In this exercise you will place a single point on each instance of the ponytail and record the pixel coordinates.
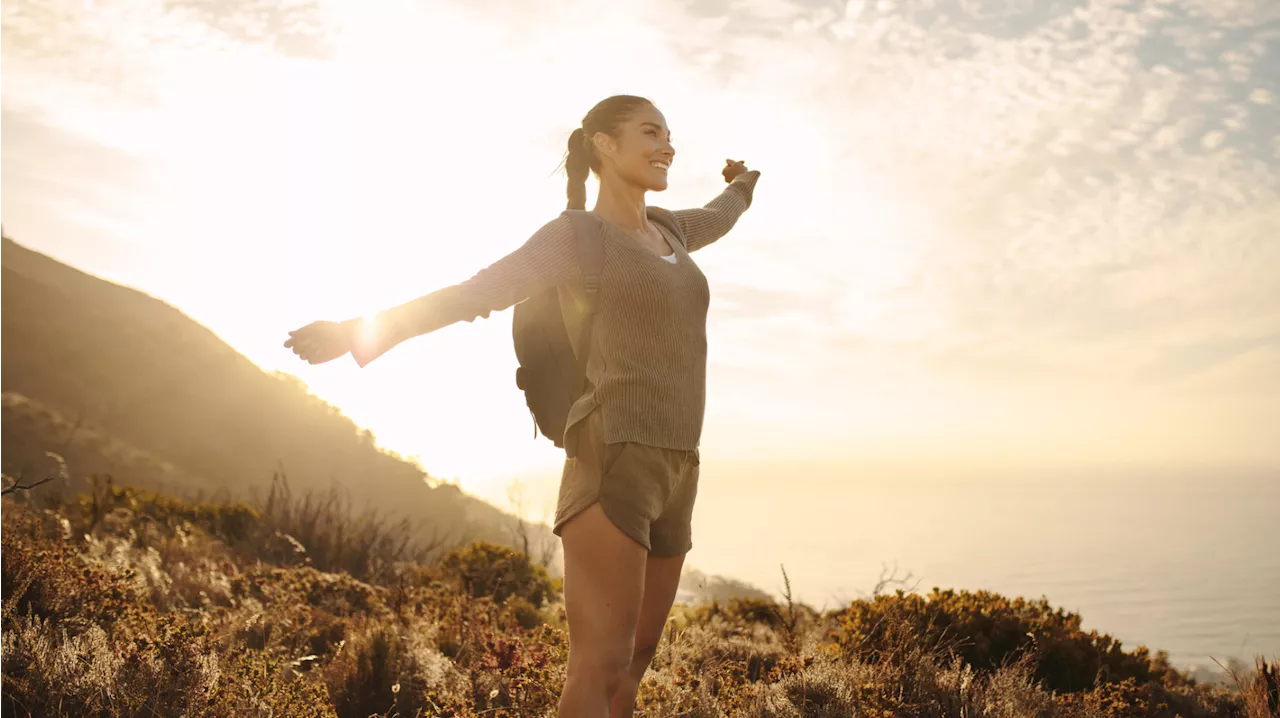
(578, 165)
(582, 159)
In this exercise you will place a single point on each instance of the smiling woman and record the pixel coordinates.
(1005, 233)
(631, 437)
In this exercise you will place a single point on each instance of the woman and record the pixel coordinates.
(631, 473)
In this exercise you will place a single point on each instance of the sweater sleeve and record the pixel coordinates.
(549, 258)
(706, 224)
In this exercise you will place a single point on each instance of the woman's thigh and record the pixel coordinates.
(604, 582)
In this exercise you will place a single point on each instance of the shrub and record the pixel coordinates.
(149, 614)
(988, 630)
(80, 640)
(232, 523)
(486, 569)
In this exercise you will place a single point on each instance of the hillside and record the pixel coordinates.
(31, 429)
(131, 603)
(121, 383)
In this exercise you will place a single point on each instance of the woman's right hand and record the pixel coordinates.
(733, 168)
(322, 341)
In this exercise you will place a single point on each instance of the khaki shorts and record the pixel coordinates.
(646, 491)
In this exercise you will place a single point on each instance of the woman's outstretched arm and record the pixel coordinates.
(706, 224)
(548, 259)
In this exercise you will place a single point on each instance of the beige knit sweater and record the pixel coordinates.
(648, 361)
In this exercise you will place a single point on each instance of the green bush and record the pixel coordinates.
(987, 630)
(79, 639)
(486, 569)
(232, 523)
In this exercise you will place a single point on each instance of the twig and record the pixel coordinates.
(16, 486)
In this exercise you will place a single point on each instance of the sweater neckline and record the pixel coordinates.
(665, 238)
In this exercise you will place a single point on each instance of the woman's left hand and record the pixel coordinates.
(321, 342)
(733, 168)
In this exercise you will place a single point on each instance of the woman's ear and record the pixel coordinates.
(604, 144)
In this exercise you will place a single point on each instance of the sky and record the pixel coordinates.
(989, 235)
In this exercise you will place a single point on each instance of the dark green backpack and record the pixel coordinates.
(551, 376)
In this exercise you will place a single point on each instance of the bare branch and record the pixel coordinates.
(19, 486)
(890, 578)
(515, 498)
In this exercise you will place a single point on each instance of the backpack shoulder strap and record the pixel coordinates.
(590, 233)
(667, 219)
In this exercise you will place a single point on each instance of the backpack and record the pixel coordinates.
(551, 376)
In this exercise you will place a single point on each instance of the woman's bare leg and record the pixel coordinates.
(661, 579)
(604, 580)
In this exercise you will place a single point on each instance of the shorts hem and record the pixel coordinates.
(630, 533)
(567, 514)
(558, 528)
(663, 554)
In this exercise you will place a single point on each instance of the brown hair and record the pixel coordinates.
(581, 158)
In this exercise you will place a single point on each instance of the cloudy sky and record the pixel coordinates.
(1001, 233)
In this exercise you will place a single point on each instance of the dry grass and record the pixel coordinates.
(125, 603)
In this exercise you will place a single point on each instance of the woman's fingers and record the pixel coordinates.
(318, 342)
(298, 342)
(302, 338)
(296, 338)
(732, 168)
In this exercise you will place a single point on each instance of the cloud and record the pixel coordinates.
(87, 199)
(1187, 360)
(297, 28)
(954, 190)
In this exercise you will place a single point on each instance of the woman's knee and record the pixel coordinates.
(606, 662)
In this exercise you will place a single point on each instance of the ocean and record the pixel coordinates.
(1189, 564)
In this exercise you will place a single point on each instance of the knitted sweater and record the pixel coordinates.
(647, 367)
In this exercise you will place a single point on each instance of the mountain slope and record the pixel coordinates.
(134, 371)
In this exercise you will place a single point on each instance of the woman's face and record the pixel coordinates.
(642, 151)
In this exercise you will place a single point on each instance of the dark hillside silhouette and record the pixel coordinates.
(121, 382)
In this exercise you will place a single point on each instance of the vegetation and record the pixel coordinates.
(124, 602)
(120, 383)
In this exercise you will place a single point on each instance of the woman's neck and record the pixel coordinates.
(622, 203)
